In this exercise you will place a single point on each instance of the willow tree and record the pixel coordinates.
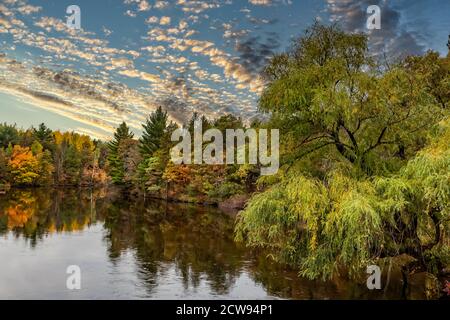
(328, 94)
(359, 180)
(322, 226)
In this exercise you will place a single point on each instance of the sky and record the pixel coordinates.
(131, 56)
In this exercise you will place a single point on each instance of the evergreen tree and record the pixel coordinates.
(4, 176)
(156, 130)
(72, 165)
(196, 118)
(8, 134)
(116, 162)
(44, 135)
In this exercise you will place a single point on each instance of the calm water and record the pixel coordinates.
(129, 250)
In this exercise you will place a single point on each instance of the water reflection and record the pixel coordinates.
(36, 213)
(136, 250)
(196, 240)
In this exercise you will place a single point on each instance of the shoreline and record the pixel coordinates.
(233, 204)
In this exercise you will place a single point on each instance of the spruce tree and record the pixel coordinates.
(155, 130)
(8, 134)
(115, 161)
(43, 134)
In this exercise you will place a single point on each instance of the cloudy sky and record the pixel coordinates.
(131, 56)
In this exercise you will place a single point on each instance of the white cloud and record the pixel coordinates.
(152, 20)
(161, 4)
(165, 20)
(144, 6)
(29, 9)
(130, 13)
(260, 2)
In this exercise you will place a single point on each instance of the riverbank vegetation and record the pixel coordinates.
(364, 154)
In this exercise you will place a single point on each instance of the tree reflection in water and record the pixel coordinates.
(194, 241)
(197, 240)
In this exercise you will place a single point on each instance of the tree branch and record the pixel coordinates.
(380, 137)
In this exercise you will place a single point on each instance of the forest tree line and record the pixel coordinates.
(142, 167)
(42, 157)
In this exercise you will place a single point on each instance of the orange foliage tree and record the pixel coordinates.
(24, 166)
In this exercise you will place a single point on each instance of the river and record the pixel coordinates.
(127, 249)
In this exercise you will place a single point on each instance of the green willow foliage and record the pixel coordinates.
(328, 94)
(320, 226)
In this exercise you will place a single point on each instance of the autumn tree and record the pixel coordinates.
(434, 73)
(75, 159)
(130, 156)
(65, 158)
(24, 166)
(45, 164)
(88, 158)
(150, 175)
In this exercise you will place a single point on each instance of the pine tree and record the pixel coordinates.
(4, 174)
(72, 165)
(122, 133)
(44, 135)
(8, 134)
(156, 130)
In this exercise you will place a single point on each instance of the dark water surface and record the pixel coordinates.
(131, 250)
